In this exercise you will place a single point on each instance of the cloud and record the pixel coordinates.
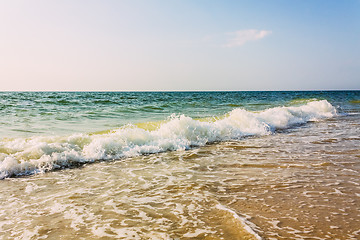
(240, 37)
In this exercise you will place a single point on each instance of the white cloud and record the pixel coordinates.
(239, 38)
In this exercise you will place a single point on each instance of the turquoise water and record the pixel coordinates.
(42, 131)
(60, 113)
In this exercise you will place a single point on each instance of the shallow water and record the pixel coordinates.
(297, 182)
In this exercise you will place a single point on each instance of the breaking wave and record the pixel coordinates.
(25, 156)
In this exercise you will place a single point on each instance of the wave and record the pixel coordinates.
(25, 156)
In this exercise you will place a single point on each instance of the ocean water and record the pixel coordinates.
(180, 165)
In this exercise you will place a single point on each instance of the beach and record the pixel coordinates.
(180, 165)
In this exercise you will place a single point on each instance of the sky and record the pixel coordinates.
(162, 45)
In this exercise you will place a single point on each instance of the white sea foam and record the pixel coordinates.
(23, 156)
(244, 223)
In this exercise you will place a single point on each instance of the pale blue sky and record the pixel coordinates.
(179, 45)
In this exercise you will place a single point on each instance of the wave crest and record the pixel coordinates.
(24, 156)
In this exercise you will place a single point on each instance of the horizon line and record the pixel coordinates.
(303, 90)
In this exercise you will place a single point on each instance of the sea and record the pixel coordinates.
(180, 165)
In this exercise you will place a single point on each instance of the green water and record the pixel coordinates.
(61, 113)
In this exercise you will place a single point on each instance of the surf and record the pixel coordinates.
(38, 154)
